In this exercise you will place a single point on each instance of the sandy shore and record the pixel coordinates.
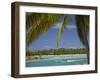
(38, 57)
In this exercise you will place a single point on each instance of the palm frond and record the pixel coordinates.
(38, 23)
(83, 28)
(64, 23)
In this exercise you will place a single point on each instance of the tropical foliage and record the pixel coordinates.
(60, 51)
(38, 23)
(83, 29)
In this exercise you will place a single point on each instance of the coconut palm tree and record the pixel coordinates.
(38, 23)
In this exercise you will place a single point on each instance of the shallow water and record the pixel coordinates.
(58, 60)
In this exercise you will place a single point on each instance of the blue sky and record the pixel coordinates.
(69, 37)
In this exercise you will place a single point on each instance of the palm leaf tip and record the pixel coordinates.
(58, 36)
(60, 29)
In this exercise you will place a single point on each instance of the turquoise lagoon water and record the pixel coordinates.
(58, 60)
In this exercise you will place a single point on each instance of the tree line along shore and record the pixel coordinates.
(60, 51)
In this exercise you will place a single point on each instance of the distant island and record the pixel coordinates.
(60, 51)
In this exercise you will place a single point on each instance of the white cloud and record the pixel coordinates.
(56, 26)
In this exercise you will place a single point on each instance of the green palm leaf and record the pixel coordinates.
(58, 36)
(83, 29)
(38, 23)
(64, 23)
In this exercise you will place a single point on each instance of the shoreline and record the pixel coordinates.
(43, 57)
